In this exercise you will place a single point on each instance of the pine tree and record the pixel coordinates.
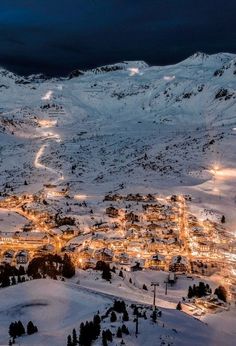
(113, 317)
(21, 270)
(104, 339)
(124, 329)
(82, 337)
(154, 316)
(31, 328)
(145, 287)
(121, 274)
(179, 306)
(69, 341)
(74, 337)
(190, 292)
(109, 335)
(125, 316)
(11, 330)
(13, 280)
(106, 273)
(130, 280)
(97, 326)
(119, 333)
(68, 268)
(223, 219)
(21, 328)
(5, 280)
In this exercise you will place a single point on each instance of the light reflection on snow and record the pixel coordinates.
(134, 71)
(169, 78)
(47, 96)
(47, 123)
(80, 197)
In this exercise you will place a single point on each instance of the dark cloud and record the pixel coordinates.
(57, 36)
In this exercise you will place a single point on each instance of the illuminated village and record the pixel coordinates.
(103, 188)
(134, 232)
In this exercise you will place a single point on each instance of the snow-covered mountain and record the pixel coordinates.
(127, 128)
(126, 124)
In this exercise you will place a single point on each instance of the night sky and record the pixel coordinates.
(57, 36)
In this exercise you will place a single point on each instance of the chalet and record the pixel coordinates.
(122, 258)
(100, 227)
(135, 246)
(118, 244)
(7, 237)
(87, 263)
(115, 197)
(131, 217)
(136, 267)
(97, 242)
(85, 253)
(8, 254)
(155, 245)
(157, 262)
(133, 233)
(69, 231)
(154, 227)
(105, 255)
(22, 257)
(112, 212)
(47, 248)
(32, 238)
(179, 264)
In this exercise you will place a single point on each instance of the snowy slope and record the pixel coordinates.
(125, 126)
(57, 307)
(129, 128)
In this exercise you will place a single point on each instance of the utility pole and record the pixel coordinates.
(136, 329)
(136, 320)
(154, 284)
(166, 282)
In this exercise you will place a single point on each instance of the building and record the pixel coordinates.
(105, 255)
(136, 267)
(7, 237)
(31, 238)
(22, 257)
(179, 264)
(157, 262)
(112, 212)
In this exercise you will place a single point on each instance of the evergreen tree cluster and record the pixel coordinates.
(10, 275)
(106, 273)
(105, 269)
(89, 331)
(17, 329)
(199, 291)
(106, 337)
(31, 328)
(52, 266)
(119, 306)
(221, 293)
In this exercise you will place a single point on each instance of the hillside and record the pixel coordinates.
(56, 308)
(126, 127)
(82, 161)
